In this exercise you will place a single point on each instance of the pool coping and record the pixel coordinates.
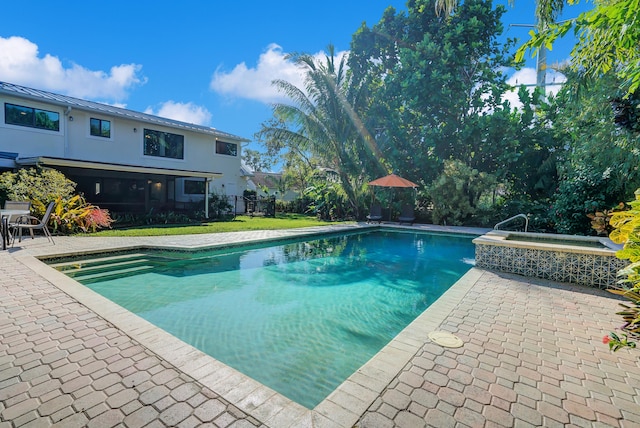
(342, 408)
(503, 238)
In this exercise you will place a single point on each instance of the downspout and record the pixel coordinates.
(66, 131)
(206, 197)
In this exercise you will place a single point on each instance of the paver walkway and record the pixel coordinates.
(532, 357)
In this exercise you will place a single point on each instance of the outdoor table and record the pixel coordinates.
(4, 223)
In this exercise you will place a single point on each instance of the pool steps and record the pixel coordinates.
(106, 268)
(63, 266)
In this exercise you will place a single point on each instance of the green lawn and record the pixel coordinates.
(240, 223)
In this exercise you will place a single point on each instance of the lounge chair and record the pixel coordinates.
(32, 223)
(407, 215)
(375, 213)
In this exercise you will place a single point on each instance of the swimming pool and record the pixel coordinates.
(299, 316)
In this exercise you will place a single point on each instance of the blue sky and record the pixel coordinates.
(204, 62)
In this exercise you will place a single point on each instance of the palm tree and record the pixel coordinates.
(608, 37)
(446, 6)
(322, 119)
(546, 10)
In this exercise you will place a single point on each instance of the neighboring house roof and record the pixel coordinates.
(267, 179)
(71, 102)
(245, 171)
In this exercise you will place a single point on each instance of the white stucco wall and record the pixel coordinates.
(125, 146)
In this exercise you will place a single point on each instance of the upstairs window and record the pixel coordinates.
(100, 128)
(163, 144)
(31, 117)
(229, 149)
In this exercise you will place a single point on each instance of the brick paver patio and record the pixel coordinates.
(62, 365)
(532, 356)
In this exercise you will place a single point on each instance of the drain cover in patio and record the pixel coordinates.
(445, 339)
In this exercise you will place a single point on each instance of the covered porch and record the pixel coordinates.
(125, 188)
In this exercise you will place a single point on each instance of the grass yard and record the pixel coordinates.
(240, 223)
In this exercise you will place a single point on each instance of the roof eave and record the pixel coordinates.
(73, 163)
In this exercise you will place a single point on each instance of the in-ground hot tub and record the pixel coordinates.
(582, 260)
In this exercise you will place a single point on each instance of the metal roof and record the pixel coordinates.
(77, 103)
(8, 155)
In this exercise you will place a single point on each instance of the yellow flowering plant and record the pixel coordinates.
(626, 230)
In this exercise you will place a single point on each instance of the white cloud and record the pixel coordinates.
(527, 76)
(255, 83)
(185, 112)
(21, 63)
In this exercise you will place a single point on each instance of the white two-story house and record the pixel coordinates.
(121, 159)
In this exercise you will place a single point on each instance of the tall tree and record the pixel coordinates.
(607, 38)
(255, 160)
(322, 120)
(435, 84)
(599, 169)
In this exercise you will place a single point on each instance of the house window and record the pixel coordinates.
(31, 117)
(100, 128)
(163, 144)
(193, 187)
(223, 148)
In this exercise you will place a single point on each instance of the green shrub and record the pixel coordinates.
(71, 213)
(539, 211)
(153, 217)
(457, 192)
(583, 192)
(327, 201)
(40, 186)
(219, 206)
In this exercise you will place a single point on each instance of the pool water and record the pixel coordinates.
(299, 317)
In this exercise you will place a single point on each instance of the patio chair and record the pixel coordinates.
(407, 215)
(32, 223)
(375, 213)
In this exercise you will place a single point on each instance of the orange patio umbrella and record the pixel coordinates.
(392, 180)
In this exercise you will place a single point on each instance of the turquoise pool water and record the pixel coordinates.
(299, 317)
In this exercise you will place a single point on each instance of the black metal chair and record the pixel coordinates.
(407, 215)
(375, 213)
